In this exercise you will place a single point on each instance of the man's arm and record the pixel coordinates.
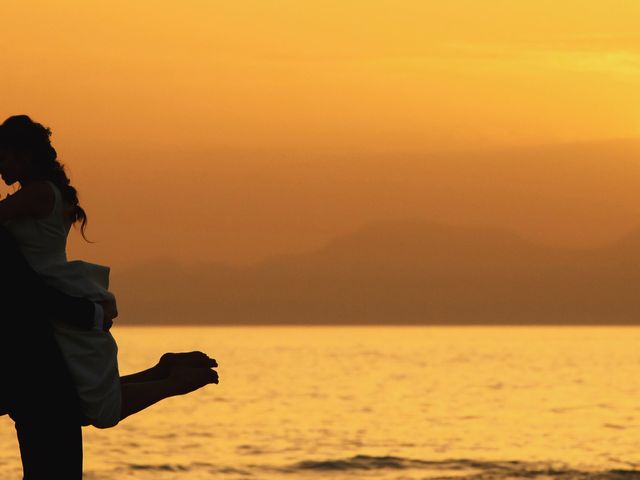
(22, 289)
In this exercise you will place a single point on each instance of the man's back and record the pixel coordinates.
(37, 390)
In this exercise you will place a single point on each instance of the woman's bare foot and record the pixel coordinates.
(169, 361)
(184, 380)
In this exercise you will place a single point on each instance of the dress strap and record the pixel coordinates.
(57, 204)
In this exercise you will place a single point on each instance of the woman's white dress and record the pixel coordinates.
(91, 356)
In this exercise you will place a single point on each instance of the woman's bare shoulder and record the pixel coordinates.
(35, 199)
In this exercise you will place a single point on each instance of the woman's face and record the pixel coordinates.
(13, 166)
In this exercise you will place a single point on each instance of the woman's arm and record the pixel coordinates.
(35, 200)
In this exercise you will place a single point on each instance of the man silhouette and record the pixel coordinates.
(36, 388)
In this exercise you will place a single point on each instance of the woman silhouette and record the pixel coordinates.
(39, 216)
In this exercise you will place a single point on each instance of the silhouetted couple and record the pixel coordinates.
(58, 358)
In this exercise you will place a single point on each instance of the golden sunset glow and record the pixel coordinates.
(235, 131)
(407, 230)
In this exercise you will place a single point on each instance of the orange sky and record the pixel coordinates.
(237, 130)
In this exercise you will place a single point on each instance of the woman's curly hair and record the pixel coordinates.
(21, 134)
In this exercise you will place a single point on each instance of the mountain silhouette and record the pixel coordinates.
(398, 272)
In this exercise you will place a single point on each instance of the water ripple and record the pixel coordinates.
(464, 469)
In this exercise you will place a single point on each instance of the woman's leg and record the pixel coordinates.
(166, 363)
(137, 396)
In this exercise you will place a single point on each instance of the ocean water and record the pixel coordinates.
(405, 403)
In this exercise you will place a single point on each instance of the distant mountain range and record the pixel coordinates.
(401, 272)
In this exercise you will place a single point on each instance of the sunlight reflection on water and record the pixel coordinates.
(383, 402)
